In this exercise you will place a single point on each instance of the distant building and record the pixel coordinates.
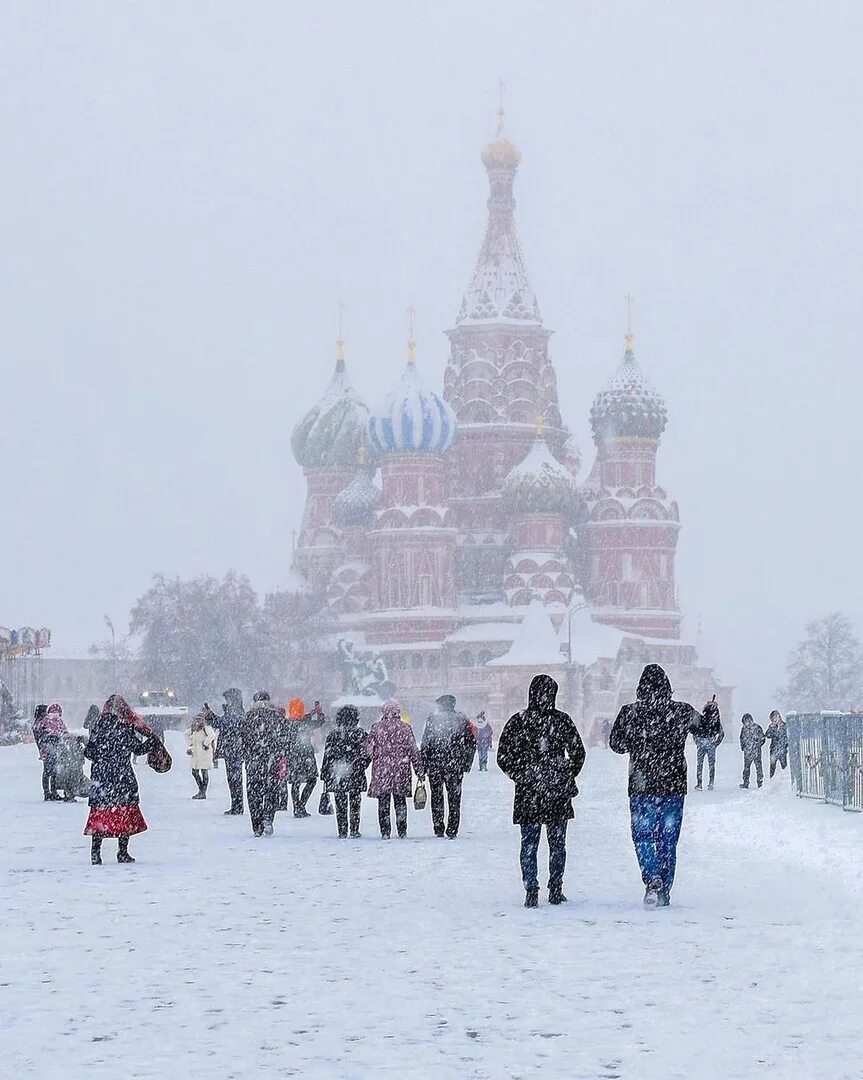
(447, 531)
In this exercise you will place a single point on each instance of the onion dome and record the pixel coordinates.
(358, 503)
(539, 483)
(628, 407)
(334, 430)
(500, 152)
(413, 419)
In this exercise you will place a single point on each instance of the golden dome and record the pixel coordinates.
(501, 154)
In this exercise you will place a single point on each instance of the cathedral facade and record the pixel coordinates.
(449, 537)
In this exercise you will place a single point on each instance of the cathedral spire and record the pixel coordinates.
(500, 289)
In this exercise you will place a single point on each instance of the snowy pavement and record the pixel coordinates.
(222, 956)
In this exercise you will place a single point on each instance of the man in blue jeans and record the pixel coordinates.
(653, 731)
(541, 750)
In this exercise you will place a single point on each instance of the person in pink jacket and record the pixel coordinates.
(393, 750)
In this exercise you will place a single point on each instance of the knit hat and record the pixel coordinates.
(391, 710)
(296, 708)
(261, 695)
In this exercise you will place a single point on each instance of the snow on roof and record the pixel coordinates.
(536, 642)
(590, 639)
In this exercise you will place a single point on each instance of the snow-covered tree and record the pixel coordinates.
(825, 671)
(200, 636)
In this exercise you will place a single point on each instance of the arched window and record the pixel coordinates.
(465, 659)
(484, 657)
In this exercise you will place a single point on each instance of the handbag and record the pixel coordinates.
(158, 758)
(420, 795)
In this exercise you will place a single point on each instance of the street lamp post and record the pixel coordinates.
(110, 625)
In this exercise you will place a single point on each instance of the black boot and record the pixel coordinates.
(531, 897)
(555, 894)
(96, 850)
(653, 893)
(123, 855)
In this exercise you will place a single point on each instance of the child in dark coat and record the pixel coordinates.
(343, 770)
(751, 741)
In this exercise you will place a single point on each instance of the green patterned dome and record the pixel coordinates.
(628, 407)
(539, 483)
(333, 432)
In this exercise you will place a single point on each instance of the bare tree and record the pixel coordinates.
(825, 671)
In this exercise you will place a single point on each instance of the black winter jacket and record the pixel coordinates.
(708, 726)
(448, 743)
(344, 766)
(110, 748)
(751, 738)
(777, 733)
(653, 731)
(262, 734)
(230, 725)
(541, 750)
(302, 763)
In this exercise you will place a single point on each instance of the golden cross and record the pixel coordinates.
(501, 87)
(630, 299)
(411, 314)
(340, 318)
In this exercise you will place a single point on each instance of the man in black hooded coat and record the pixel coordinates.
(541, 750)
(653, 731)
(230, 746)
(263, 740)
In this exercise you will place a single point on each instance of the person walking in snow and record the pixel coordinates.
(302, 772)
(777, 734)
(392, 750)
(541, 751)
(653, 730)
(751, 741)
(201, 748)
(230, 746)
(116, 738)
(264, 752)
(343, 770)
(484, 739)
(448, 747)
(48, 730)
(708, 734)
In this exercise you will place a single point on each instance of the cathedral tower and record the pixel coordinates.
(630, 530)
(499, 378)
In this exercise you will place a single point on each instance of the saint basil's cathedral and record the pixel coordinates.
(447, 532)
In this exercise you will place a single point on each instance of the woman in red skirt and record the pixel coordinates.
(115, 737)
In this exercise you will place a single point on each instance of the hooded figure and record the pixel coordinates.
(777, 734)
(541, 750)
(115, 738)
(392, 750)
(448, 747)
(484, 739)
(230, 746)
(262, 732)
(653, 731)
(708, 734)
(47, 744)
(751, 740)
(343, 769)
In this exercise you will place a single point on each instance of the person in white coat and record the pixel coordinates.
(202, 741)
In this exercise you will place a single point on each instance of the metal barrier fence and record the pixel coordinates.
(826, 757)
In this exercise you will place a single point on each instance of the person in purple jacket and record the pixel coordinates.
(392, 749)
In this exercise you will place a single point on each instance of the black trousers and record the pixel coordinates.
(300, 794)
(401, 804)
(202, 779)
(50, 750)
(748, 761)
(452, 783)
(260, 793)
(779, 758)
(234, 772)
(348, 804)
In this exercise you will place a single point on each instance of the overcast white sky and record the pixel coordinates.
(187, 189)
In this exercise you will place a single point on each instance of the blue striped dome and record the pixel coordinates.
(412, 419)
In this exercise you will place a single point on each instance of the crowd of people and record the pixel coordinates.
(271, 765)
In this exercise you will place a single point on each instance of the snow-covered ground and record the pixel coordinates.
(222, 956)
